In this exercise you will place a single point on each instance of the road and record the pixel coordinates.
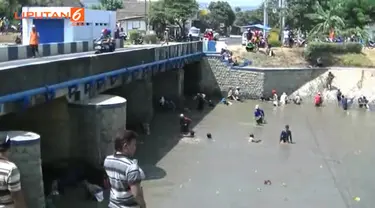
(232, 40)
(331, 162)
(15, 63)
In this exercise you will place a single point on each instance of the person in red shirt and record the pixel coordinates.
(318, 100)
(184, 124)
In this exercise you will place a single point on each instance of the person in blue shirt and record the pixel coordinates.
(259, 115)
(344, 103)
(286, 135)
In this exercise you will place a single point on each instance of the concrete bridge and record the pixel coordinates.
(77, 102)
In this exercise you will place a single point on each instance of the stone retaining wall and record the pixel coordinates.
(217, 77)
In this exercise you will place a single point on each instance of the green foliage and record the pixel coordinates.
(110, 5)
(221, 12)
(326, 19)
(134, 35)
(150, 39)
(174, 12)
(316, 49)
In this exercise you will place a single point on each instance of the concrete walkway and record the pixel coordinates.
(330, 163)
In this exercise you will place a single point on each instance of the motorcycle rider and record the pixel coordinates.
(106, 38)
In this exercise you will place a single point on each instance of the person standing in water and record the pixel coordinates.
(344, 102)
(259, 115)
(318, 100)
(338, 95)
(275, 98)
(286, 135)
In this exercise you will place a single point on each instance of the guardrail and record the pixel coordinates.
(17, 52)
(97, 80)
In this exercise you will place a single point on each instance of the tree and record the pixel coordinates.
(179, 11)
(357, 13)
(111, 5)
(221, 12)
(326, 19)
(157, 16)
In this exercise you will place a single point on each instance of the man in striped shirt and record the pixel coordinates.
(124, 174)
(10, 184)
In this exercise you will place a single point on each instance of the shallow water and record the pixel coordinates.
(330, 163)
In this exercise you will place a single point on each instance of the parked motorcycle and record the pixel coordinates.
(103, 47)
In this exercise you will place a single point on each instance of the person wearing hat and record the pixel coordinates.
(34, 41)
(259, 115)
(166, 37)
(184, 124)
(10, 179)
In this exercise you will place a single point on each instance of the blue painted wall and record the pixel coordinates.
(50, 30)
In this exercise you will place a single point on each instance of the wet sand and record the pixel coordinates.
(329, 164)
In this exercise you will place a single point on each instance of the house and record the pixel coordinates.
(134, 15)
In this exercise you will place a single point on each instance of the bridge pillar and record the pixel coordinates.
(51, 121)
(138, 94)
(169, 84)
(95, 123)
(25, 153)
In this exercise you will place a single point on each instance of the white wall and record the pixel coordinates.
(95, 21)
(135, 24)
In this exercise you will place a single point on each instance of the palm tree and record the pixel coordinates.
(326, 19)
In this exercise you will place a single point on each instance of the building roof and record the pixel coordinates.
(66, 3)
(131, 18)
(132, 8)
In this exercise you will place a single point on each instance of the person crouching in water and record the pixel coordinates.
(297, 100)
(231, 95)
(286, 135)
(184, 124)
(363, 102)
(252, 139)
(283, 99)
(259, 115)
(318, 100)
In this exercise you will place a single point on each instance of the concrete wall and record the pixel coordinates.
(216, 77)
(17, 52)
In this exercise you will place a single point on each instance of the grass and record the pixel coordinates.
(293, 57)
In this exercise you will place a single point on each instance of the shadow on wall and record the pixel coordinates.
(200, 78)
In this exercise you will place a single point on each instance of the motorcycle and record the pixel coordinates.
(101, 47)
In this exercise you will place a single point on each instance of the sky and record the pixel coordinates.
(235, 3)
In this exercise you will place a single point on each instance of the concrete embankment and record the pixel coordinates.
(256, 82)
